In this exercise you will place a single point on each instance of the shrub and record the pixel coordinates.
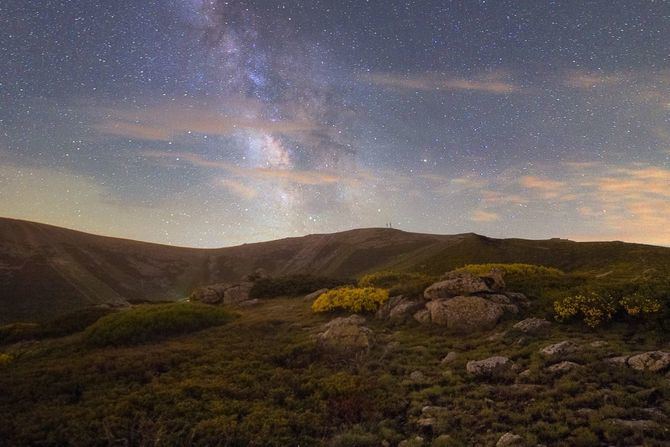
(5, 359)
(597, 308)
(398, 283)
(293, 285)
(354, 299)
(512, 269)
(153, 322)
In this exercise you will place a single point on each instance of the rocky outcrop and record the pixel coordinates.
(398, 308)
(465, 313)
(345, 335)
(653, 361)
(532, 326)
(456, 283)
(492, 367)
(222, 293)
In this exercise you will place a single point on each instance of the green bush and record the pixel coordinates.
(153, 322)
(293, 285)
(398, 283)
(353, 299)
(63, 325)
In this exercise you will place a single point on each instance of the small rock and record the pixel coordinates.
(450, 357)
(586, 412)
(559, 349)
(654, 361)
(532, 326)
(248, 303)
(425, 422)
(519, 299)
(413, 442)
(509, 440)
(563, 367)
(598, 344)
(495, 366)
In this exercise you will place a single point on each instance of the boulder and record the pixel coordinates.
(519, 299)
(496, 366)
(654, 361)
(223, 293)
(422, 316)
(621, 360)
(562, 367)
(559, 349)
(404, 310)
(455, 284)
(465, 313)
(417, 376)
(510, 440)
(314, 295)
(345, 335)
(532, 326)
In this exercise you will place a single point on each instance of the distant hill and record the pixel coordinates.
(47, 270)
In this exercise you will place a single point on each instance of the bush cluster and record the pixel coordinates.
(353, 299)
(597, 308)
(153, 322)
(398, 283)
(293, 285)
(512, 269)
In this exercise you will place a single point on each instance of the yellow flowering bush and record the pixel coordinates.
(639, 303)
(5, 358)
(512, 269)
(595, 309)
(354, 299)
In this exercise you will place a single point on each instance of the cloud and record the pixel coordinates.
(238, 188)
(549, 189)
(168, 121)
(482, 216)
(496, 83)
(302, 177)
(589, 80)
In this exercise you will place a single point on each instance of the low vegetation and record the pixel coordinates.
(351, 299)
(153, 322)
(293, 285)
(398, 283)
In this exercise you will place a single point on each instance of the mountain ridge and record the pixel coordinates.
(46, 270)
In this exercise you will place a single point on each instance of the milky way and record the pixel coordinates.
(211, 123)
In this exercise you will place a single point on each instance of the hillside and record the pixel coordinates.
(47, 270)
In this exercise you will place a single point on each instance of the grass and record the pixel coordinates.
(259, 379)
(153, 322)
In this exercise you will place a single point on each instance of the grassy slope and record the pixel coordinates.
(259, 380)
(46, 270)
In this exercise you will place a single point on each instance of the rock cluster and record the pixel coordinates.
(228, 293)
(461, 301)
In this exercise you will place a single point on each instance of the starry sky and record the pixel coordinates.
(211, 123)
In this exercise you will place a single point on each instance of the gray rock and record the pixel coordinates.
(417, 376)
(509, 440)
(598, 344)
(532, 326)
(345, 335)
(385, 309)
(455, 284)
(563, 367)
(223, 293)
(249, 303)
(494, 279)
(465, 313)
(404, 310)
(559, 349)
(519, 298)
(654, 361)
(496, 366)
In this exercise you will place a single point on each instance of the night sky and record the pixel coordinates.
(212, 123)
